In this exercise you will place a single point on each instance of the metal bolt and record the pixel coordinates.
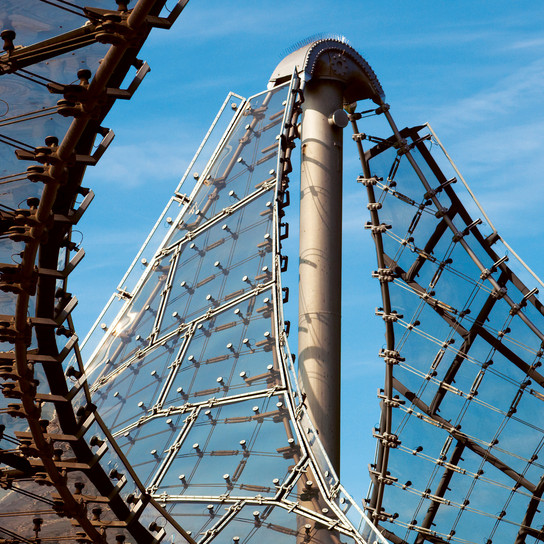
(339, 119)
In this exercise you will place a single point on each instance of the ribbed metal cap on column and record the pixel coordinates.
(331, 58)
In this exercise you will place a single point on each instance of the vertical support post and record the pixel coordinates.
(320, 264)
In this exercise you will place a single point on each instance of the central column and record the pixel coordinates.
(320, 265)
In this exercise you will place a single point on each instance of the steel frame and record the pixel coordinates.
(389, 272)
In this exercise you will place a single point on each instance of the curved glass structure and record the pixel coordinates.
(192, 378)
(61, 70)
(459, 438)
(182, 418)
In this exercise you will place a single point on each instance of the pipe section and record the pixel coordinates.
(320, 263)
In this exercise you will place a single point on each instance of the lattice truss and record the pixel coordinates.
(460, 434)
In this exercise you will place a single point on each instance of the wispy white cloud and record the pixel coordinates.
(495, 136)
(506, 97)
(135, 165)
(532, 43)
(224, 20)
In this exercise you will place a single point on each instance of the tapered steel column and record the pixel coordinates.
(320, 265)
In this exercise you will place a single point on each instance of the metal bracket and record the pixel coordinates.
(126, 94)
(167, 22)
(91, 160)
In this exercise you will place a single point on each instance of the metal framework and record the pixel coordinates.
(181, 418)
(459, 437)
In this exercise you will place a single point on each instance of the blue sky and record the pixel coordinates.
(474, 70)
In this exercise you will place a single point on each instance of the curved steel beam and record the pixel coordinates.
(45, 228)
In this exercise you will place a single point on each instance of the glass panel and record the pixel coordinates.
(36, 22)
(323, 463)
(23, 503)
(462, 191)
(212, 139)
(357, 518)
(152, 518)
(221, 263)
(33, 114)
(8, 301)
(229, 449)
(131, 331)
(403, 204)
(151, 245)
(255, 523)
(12, 424)
(264, 525)
(197, 517)
(146, 444)
(230, 354)
(246, 159)
(103, 323)
(10, 251)
(126, 395)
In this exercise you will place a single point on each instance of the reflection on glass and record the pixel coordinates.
(231, 354)
(132, 330)
(222, 263)
(129, 393)
(245, 162)
(211, 141)
(228, 449)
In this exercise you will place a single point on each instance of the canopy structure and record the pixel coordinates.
(183, 417)
(460, 437)
(192, 378)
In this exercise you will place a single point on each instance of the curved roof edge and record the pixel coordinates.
(331, 59)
